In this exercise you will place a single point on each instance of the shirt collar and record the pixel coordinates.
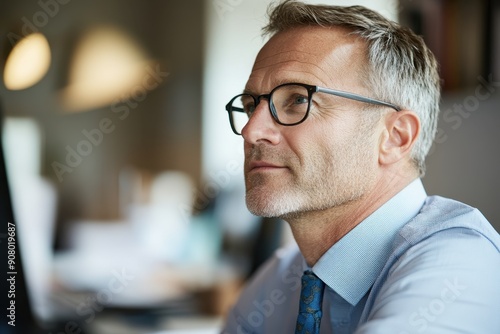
(352, 264)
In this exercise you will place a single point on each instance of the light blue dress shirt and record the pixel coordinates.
(418, 264)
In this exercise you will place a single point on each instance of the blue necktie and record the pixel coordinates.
(311, 298)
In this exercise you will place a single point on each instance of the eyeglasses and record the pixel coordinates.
(289, 104)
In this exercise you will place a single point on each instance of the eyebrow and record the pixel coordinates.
(276, 84)
(247, 91)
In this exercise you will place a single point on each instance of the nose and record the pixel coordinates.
(261, 126)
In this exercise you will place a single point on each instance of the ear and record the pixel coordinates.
(402, 129)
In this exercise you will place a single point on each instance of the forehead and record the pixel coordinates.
(330, 57)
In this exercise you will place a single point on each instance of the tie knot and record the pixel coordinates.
(312, 293)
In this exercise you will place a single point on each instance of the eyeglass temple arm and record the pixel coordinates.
(356, 97)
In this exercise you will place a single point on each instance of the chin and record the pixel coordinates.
(271, 206)
(261, 210)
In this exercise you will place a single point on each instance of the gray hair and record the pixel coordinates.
(401, 69)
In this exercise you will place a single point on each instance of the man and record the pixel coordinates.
(337, 117)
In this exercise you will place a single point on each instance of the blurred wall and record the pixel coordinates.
(465, 37)
(464, 163)
(160, 132)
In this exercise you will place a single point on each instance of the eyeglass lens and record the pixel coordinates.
(290, 104)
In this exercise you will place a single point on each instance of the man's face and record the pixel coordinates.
(331, 158)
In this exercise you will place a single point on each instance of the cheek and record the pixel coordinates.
(346, 146)
(331, 138)
(315, 153)
(324, 142)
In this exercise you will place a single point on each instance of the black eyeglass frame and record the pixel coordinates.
(310, 90)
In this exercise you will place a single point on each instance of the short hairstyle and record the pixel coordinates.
(401, 69)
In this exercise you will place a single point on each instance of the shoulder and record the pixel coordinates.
(447, 240)
(445, 233)
(440, 214)
(443, 274)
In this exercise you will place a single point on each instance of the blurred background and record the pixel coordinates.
(126, 178)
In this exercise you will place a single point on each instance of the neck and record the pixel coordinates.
(317, 231)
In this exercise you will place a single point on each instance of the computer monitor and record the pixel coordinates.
(18, 316)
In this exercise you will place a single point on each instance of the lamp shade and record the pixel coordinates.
(105, 66)
(28, 62)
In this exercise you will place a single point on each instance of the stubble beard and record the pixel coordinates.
(316, 183)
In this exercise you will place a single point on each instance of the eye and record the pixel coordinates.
(295, 102)
(299, 99)
(249, 109)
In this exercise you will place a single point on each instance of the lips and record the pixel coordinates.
(263, 166)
